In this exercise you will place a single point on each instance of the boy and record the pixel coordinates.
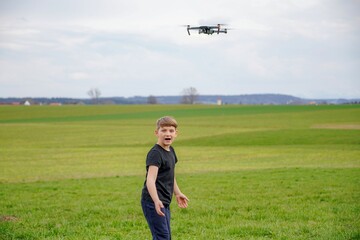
(160, 183)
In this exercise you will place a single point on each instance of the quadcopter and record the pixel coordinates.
(209, 30)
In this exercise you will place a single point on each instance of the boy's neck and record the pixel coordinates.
(166, 148)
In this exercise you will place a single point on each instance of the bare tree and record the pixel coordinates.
(152, 100)
(94, 94)
(190, 95)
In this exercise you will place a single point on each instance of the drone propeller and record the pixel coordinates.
(187, 27)
(220, 24)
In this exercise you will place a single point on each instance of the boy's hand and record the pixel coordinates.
(158, 206)
(182, 200)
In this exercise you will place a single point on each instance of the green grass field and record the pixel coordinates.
(251, 172)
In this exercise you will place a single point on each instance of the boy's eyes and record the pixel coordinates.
(171, 130)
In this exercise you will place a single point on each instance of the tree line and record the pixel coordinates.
(189, 96)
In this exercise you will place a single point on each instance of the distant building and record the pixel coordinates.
(219, 101)
(27, 103)
(312, 103)
(55, 104)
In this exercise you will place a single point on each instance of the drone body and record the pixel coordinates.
(209, 30)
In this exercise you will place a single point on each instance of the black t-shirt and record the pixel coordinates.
(165, 161)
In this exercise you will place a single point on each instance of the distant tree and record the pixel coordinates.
(152, 100)
(94, 94)
(190, 95)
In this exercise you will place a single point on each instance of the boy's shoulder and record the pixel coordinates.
(156, 149)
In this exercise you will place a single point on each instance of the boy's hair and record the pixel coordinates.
(166, 121)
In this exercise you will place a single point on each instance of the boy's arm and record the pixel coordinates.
(181, 199)
(150, 184)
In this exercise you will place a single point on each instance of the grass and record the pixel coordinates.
(251, 172)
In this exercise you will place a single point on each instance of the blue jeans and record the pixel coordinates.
(159, 226)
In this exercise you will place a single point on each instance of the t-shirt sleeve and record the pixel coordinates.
(153, 159)
(172, 149)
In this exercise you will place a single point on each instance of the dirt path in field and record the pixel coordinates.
(8, 219)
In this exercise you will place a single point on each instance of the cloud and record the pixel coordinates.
(79, 76)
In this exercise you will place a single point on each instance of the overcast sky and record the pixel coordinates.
(307, 48)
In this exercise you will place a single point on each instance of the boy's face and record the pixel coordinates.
(166, 135)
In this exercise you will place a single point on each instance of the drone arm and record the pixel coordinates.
(222, 31)
(192, 28)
